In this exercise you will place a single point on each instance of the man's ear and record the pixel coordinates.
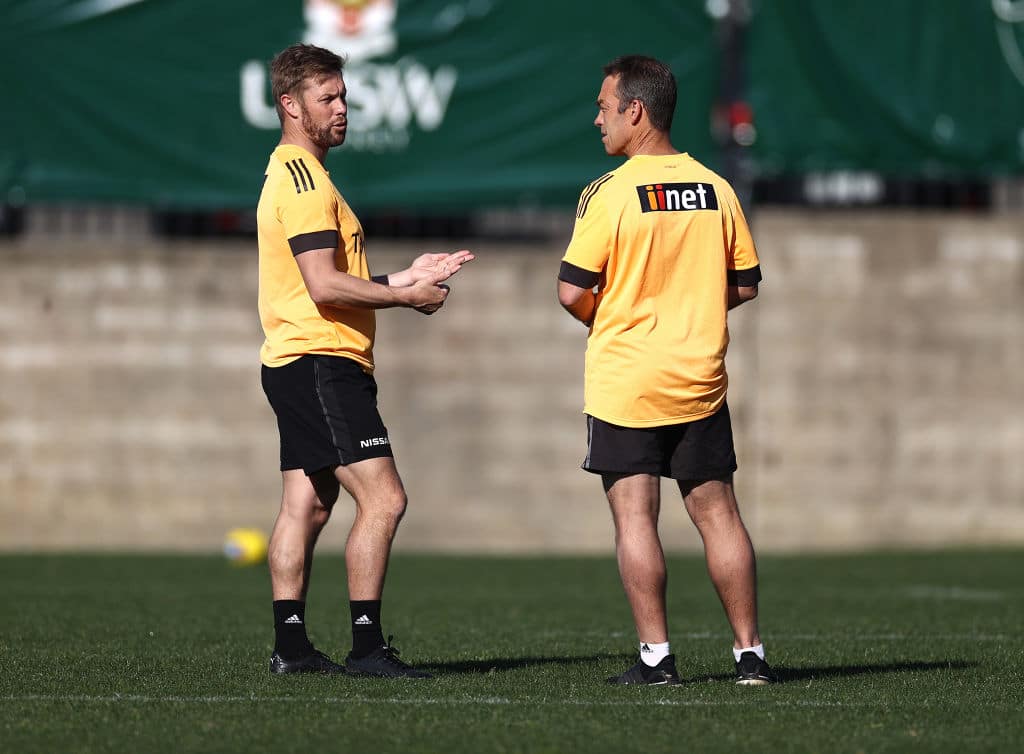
(636, 111)
(291, 106)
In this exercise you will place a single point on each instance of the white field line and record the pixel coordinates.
(894, 637)
(830, 637)
(480, 701)
(952, 593)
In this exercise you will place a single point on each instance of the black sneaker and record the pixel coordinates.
(317, 662)
(382, 662)
(751, 670)
(662, 674)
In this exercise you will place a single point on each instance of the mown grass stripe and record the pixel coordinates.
(487, 701)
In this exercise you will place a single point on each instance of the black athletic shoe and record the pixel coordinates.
(662, 674)
(751, 670)
(382, 662)
(317, 662)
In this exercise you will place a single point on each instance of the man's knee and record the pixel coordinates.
(308, 501)
(710, 500)
(375, 486)
(633, 497)
(392, 505)
(382, 509)
(304, 507)
(320, 517)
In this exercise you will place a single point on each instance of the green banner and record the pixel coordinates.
(454, 103)
(475, 103)
(902, 87)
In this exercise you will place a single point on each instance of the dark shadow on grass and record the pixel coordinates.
(842, 671)
(501, 664)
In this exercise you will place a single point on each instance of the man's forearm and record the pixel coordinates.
(583, 308)
(740, 294)
(346, 290)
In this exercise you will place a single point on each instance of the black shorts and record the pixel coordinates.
(698, 450)
(326, 410)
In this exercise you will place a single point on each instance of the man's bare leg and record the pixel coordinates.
(380, 504)
(380, 500)
(306, 504)
(730, 556)
(635, 502)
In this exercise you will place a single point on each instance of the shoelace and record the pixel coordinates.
(391, 653)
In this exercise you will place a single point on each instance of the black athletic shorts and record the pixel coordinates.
(326, 410)
(698, 450)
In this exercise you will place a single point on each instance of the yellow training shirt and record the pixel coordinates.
(301, 210)
(661, 237)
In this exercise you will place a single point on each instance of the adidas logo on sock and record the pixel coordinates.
(294, 619)
(364, 620)
(645, 648)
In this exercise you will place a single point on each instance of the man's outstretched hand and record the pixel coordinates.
(431, 265)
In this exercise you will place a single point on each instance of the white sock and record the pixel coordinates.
(758, 650)
(652, 654)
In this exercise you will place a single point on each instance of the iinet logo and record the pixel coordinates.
(373, 442)
(676, 197)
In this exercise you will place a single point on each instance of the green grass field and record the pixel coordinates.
(880, 652)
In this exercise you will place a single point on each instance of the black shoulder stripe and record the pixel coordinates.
(309, 175)
(578, 276)
(744, 278)
(589, 193)
(583, 194)
(320, 239)
(294, 165)
(294, 178)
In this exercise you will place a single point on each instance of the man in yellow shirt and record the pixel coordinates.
(664, 242)
(316, 304)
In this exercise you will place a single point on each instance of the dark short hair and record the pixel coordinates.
(648, 80)
(294, 66)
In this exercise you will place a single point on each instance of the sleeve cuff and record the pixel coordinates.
(744, 278)
(321, 239)
(578, 276)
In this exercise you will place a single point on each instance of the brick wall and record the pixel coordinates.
(876, 394)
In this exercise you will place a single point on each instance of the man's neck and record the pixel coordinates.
(652, 142)
(301, 140)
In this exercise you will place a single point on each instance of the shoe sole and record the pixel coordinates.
(753, 682)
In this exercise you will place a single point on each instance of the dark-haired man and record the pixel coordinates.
(316, 303)
(665, 243)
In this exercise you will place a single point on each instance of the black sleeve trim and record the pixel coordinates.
(321, 239)
(382, 279)
(578, 276)
(744, 278)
